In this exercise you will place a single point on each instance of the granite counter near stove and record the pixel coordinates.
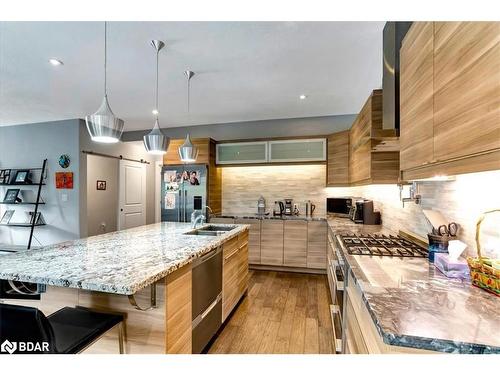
(413, 305)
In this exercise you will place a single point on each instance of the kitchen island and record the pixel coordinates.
(405, 305)
(148, 266)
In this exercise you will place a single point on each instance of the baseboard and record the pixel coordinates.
(263, 267)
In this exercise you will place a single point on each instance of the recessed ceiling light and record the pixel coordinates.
(302, 97)
(155, 111)
(56, 62)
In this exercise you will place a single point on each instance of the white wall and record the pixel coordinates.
(102, 205)
(26, 146)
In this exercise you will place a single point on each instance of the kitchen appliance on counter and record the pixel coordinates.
(380, 245)
(279, 208)
(206, 298)
(181, 187)
(288, 207)
(339, 206)
(362, 212)
(310, 207)
(261, 206)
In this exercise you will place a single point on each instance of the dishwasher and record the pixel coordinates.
(206, 298)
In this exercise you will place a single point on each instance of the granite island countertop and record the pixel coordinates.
(120, 262)
(413, 305)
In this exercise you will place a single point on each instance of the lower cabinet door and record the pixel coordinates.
(317, 232)
(271, 243)
(253, 239)
(295, 243)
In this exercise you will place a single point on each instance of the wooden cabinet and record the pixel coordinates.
(460, 131)
(295, 243)
(316, 244)
(337, 172)
(417, 96)
(271, 242)
(235, 272)
(373, 151)
(253, 239)
(466, 88)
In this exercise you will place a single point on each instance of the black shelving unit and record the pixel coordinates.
(37, 203)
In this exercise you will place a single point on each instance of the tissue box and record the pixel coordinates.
(456, 269)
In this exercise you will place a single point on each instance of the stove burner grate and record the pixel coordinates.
(381, 245)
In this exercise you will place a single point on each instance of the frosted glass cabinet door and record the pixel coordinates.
(242, 152)
(297, 150)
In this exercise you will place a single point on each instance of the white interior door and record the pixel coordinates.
(132, 196)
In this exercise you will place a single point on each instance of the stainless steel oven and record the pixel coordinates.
(336, 277)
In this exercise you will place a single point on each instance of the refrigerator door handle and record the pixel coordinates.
(179, 207)
(185, 199)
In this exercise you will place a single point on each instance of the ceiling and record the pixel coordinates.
(245, 70)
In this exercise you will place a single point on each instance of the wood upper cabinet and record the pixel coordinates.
(295, 243)
(204, 151)
(466, 88)
(271, 242)
(337, 173)
(450, 98)
(417, 96)
(370, 160)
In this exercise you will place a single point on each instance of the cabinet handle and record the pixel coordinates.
(232, 254)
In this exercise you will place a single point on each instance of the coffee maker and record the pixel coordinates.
(362, 212)
(288, 207)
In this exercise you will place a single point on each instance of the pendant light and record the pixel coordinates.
(188, 152)
(156, 142)
(103, 126)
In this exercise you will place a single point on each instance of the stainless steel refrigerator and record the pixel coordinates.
(183, 189)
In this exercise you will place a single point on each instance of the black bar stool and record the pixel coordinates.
(68, 331)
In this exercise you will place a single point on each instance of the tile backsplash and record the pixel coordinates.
(461, 200)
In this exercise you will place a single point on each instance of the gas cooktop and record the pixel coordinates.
(381, 245)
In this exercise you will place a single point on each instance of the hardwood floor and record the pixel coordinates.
(283, 312)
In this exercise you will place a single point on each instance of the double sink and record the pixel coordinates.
(211, 230)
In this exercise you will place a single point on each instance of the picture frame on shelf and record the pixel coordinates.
(7, 216)
(22, 177)
(4, 176)
(12, 196)
(31, 217)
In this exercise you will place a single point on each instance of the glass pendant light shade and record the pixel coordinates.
(103, 126)
(156, 143)
(188, 152)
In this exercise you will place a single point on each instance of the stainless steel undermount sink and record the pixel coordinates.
(210, 230)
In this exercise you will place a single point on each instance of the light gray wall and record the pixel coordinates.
(102, 205)
(130, 150)
(26, 146)
(257, 129)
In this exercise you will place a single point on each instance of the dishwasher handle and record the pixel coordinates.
(207, 256)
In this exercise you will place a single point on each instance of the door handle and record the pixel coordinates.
(121, 209)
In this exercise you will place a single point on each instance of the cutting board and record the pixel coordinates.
(435, 218)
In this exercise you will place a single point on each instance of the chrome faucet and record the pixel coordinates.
(196, 217)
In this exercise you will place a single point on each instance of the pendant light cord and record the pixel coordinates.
(105, 56)
(157, 109)
(188, 93)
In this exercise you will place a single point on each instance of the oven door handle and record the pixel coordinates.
(339, 284)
